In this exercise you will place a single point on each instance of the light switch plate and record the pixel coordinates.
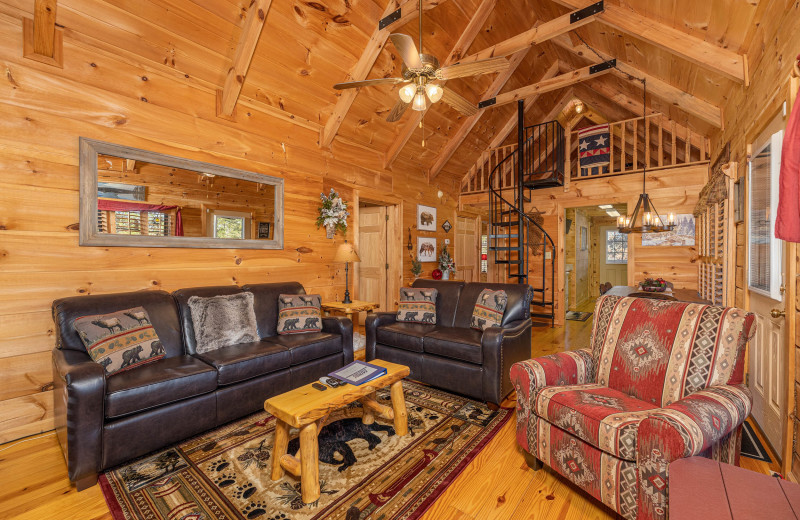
(447, 241)
(547, 255)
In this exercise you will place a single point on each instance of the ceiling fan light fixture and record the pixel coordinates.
(434, 92)
(420, 103)
(579, 107)
(407, 93)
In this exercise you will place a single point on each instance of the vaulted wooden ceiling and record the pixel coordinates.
(693, 54)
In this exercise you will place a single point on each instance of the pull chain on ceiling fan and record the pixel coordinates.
(421, 72)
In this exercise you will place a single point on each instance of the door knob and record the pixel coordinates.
(775, 313)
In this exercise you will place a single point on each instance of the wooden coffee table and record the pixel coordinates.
(308, 408)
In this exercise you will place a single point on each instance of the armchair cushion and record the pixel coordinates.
(455, 343)
(605, 418)
(406, 336)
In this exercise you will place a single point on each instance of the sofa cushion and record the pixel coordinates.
(455, 343)
(266, 303)
(417, 305)
(236, 363)
(488, 310)
(605, 418)
(221, 321)
(299, 313)
(447, 301)
(120, 341)
(159, 383)
(406, 336)
(518, 306)
(181, 297)
(307, 347)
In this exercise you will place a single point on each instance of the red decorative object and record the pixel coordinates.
(484, 256)
(436, 274)
(651, 285)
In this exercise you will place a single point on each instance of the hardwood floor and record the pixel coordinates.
(496, 485)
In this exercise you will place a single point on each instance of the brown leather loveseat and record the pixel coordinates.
(451, 355)
(104, 421)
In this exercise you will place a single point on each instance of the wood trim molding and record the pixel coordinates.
(42, 41)
(234, 80)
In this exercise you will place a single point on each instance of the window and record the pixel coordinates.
(616, 247)
(764, 250)
(151, 223)
(484, 253)
(157, 224)
(128, 222)
(228, 227)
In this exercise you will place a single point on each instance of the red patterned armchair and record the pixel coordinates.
(662, 381)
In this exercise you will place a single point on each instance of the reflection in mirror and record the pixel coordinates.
(141, 198)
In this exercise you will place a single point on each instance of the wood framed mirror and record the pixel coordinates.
(136, 198)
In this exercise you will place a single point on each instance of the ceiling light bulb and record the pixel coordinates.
(579, 108)
(420, 103)
(434, 92)
(407, 93)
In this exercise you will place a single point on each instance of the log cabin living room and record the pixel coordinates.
(458, 259)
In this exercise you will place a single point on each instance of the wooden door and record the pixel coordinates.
(613, 256)
(466, 249)
(371, 271)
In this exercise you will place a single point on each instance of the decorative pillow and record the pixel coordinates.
(299, 313)
(121, 340)
(222, 321)
(417, 306)
(489, 309)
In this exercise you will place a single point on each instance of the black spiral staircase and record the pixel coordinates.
(517, 234)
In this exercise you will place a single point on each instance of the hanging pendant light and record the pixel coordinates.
(649, 221)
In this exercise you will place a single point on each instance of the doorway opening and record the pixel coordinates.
(595, 253)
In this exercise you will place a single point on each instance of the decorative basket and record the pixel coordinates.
(651, 285)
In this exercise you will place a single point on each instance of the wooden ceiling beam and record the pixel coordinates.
(469, 123)
(685, 101)
(396, 14)
(464, 41)
(700, 52)
(549, 85)
(41, 39)
(540, 33)
(234, 80)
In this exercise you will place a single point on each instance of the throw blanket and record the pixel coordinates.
(594, 145)
(787, 225)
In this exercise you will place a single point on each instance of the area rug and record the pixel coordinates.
(365, 471)
(578, 316)
(751, 446)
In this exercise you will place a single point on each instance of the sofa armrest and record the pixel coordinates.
(79, 396)
(344, 327)
(701, 422)
(375, 320)
(501, 347)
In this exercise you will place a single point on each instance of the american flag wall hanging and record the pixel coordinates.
(594, 149)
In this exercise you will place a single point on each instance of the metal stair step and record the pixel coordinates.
(501, 262)
(504, 248)
(504, 236)
(549, 316)
(541, 304)
(506, 224)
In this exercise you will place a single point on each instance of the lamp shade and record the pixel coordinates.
(346, 253)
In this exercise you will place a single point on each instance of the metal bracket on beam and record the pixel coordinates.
(586, 12)
(600, 67)
(487, 103)
(390, 19)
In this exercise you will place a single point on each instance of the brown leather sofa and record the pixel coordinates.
(102, 422)
(451, 355)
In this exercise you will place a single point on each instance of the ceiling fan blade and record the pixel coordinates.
(459, 103)
(408, 51)
(397, 111)
(367, 83)
(474, 68)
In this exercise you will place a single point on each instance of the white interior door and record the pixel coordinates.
(765, 278)
(466, 248)
(371, 271)
(613, 256)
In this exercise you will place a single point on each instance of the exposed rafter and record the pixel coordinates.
(464, 41)
(690, 104)
(396, 14)
(254, 23)
(469, 123)
(549, 85)
(41, 39)
(700, 52)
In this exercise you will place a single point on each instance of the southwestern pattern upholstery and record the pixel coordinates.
(661, 381)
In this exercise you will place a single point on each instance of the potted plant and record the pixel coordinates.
(416, 267)
(332, 213)
(446, 264)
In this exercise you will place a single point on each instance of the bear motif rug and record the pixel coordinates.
(365, 471)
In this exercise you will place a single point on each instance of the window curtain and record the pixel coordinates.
(787, 225)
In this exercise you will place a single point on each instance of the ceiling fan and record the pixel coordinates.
(421, 71)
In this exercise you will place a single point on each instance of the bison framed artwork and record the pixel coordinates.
(426, 218)
(426, 249)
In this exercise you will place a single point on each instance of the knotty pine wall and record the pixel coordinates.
(117, 97)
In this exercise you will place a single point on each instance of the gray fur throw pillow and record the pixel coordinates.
(221, 321)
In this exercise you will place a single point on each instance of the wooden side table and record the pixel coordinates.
(308, 408)
(348, 309)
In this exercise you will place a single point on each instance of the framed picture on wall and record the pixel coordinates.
(263, 229)
(426, 218)
(426, 249)
(682, 235)
(584, 238)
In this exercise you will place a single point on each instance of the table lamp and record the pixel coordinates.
(346, 253)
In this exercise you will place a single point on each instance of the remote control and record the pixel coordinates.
(330, 381)
(319, 386)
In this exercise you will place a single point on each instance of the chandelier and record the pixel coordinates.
(645, 218)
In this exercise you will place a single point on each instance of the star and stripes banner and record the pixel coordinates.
(594, 150)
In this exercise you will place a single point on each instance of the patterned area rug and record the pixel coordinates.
(751, 446)
(578, 315)
(365, 471)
